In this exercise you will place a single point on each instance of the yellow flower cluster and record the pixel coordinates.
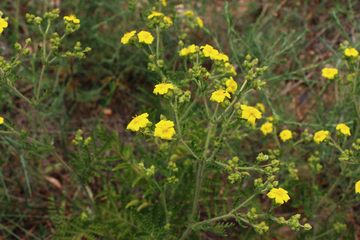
(188, 50)
(163, 129)
(72, 18)
(143, 36)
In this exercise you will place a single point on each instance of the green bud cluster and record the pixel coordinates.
(164, 147)
(346, 155)
(32, 19)
(261, 228)
(314, 163)
(251, 215)
(293, 222)
(293, 172)
(186, 97)
(149, 171)
(356, 145)
(350, 78)
(273, 154)
(54, 14)
(262, 157)
(339, 227)
(306, 136)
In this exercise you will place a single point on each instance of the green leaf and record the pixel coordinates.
(121, 166)
(110, 158)
(136, 180)
(145, 204)
(132, 203)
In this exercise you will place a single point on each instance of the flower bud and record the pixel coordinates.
(307, 226)
(18, 47)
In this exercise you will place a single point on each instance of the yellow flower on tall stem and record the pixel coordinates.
(219, 96)
(125, 39)
(344, 129)
(72, 18)
(145, 37)
(267, 128)
(329, 73)
(138, 122)
(231, 85)
(164, 129)
(280, 195)
(351, 52)
(250, 114)
(320, 136)
(285, 135)
(162, 88)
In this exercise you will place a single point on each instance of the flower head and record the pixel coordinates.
(188, 50)
(219, 96)
(285, 135)
(344, 129)
(162, 88)
(155, 14)
(351, 52)
(357, 187)
(1, 120)
(72, 18)
(261, 107)
(209, 51)
(320, 136)
(138, 122)
(125, 39)
(163, 2)
(164, 129)
(200, 22)
(3, 24)
(189, 13)
(329, 73)
(231, 85)
(168, 20)
(267, 128)
(231, 68)
(145, 37)
(279, 194)
(221, 57)
(250, 113)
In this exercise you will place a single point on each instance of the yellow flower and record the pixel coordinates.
(155, 14)
(320, 136)
(285, 135)
(231, 85)
(163, 2)
(125, 39)
(3, 24)
(357, 187)
(231, 68)
(138, 122)
(279, 194)
(221, 57)
(329, 73)
(162, 88)
(219, 96)
(261, 107)
(186, 51)
(351, 52)
(267, 128)
(250, 113)
(1, 120)
(209, 51)
(344, 129)
(200, 22)
(189, 14)
(145, 37)
(168, 20)
(72, 18)
(164, 129)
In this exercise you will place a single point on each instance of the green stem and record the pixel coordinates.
(189, 150)
(244, 203)
(20, 94)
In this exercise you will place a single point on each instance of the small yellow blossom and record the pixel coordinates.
(163, 2)
(351, 52)
(164, 129)
(219, 96)
(261, 107)
(209, 51)
(231, 85)
(267, 128)
(329, 73)
(72, 18)
(200, 22)
(231, 68)
(357, 187)
(285, 135)
(138, 122)
(125, 39)
(250, 114)
(186, 51)
(145, 37)
(162, 88)
(155, 14)
(320, 136)
(344, 129)
(168, 20)
(189, 13)
(279, 194)
(221, 57)
(3, 24)
(1, 120)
